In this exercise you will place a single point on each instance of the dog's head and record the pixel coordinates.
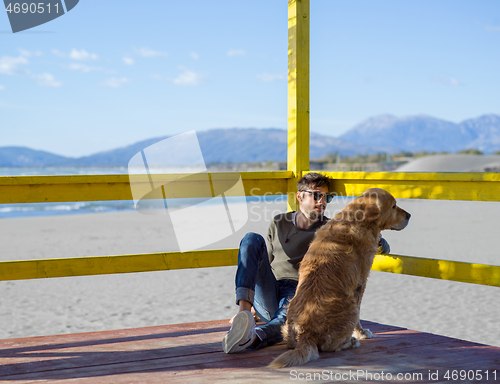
(378, 205)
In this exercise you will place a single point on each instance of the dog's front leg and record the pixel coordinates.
(359, 332)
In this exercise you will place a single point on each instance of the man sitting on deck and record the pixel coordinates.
(267, 274)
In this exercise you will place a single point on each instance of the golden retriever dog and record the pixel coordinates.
(324, 313)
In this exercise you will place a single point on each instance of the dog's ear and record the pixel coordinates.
(365, 209)
(372, 211)
(371, 200)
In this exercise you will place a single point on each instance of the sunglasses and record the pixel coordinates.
(318, 195)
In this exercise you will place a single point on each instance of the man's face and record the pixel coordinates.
(312, 208)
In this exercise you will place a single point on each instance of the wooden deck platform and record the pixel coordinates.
(192, 353)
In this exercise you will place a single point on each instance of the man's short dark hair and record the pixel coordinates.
(313, 180)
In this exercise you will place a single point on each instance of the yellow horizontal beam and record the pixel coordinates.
(447, 186)
(439, 269)
(101, 265)
(477, 186)
(47, 189)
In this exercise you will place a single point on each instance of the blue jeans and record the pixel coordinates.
(256, 283)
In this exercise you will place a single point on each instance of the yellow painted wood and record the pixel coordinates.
(447, 186)
(40, 189)
(101, 265)
(439, 269)
(477, 186)
(44, 189)
(298, 94)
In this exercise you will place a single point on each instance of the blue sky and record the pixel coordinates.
(110, 73)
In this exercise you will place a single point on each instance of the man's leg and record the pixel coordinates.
(254, 277)
(269, 297)
(270, 333)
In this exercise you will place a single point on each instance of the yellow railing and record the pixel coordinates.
(452, 186)
(445, 186)
(436, 186)
(48, 189)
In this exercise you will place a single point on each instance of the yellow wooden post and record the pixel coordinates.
(298, 94)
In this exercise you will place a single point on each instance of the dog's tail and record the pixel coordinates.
(304, 351)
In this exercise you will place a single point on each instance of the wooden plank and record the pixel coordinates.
(46, 189)
(186, 353)
(71, 352)
(448, 186)
(101, 265)
(191, 337)
(478, 186)
(439, 269)
(298, 93)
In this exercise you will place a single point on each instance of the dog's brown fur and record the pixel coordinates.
(324, 314)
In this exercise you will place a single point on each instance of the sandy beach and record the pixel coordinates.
(463, 231)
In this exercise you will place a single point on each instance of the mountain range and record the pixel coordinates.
(418, 133)
(379, 134)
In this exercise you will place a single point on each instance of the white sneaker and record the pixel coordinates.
(242, 333)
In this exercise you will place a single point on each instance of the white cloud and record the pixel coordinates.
(27, 53)
(2, 88)
(146, 52)
(236, 52)
(76, 54)
(188, 77)
(128, 60)
(114, 82)
(194, 55)
(447, 81)
(269, 77)
(82, 54)
(82, 67)
(11, 65)
(47, 80)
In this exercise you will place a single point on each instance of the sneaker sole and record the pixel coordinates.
(233, 341)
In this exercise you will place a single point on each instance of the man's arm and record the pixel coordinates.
(383, 246)
(271, 233)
